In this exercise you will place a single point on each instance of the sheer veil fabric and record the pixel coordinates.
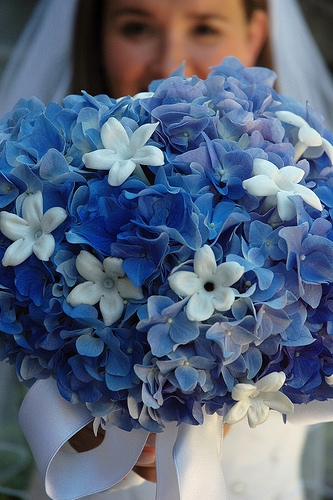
(41, 66)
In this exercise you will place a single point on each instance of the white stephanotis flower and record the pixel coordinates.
(255, 400)
(277, 184)
(309, 140)
(106, 283)
(122, 154)
(209, 286)
(31, 232)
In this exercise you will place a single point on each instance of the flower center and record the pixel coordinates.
(209, 286)
(38, 234)
(169, 321)
(108, 283)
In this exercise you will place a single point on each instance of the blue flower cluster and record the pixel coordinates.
(152, 299)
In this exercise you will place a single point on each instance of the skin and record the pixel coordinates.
(153, 38)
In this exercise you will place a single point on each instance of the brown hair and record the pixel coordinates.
(89, 72)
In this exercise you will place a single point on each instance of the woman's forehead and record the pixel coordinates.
(215, 8)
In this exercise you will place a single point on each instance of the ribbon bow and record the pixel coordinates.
(188, 458)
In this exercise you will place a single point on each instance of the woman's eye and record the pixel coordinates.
(135, 29)
(205, 30)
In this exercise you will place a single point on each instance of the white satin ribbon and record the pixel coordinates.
(188, 458)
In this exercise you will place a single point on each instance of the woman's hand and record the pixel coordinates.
(145, 467)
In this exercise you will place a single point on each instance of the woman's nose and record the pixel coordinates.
(170, 55)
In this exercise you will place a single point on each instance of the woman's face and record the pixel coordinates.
(144, 40)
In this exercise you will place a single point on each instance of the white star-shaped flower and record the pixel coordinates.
(255, 400)
(208, 286)
(31, 232)
(277, 184)
(309, 140)
(106, 283)
(122, 154)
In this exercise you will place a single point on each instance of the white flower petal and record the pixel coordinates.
(285, 207)
(271, 382)
(204, 263)
(120, 171)
(257, 413)
(279, 402)
(290, 174)
(291, 118)
(200, 307)
(89, 267)
(264, 167)
(127, 290)
(228, 273)
(141, 135)
(237, 412)
(308, 196)
(243, 391)
(223, 298)
(114, 136)
(112, 306)
(260, 185)
(328, 148)
(17, 252)
(44, 247)
(184, 283)
(101, 159)
(85, 293)
(149, 155)
(52, 219)
(113, 267)
(13, 226)
(32, 208)
(309, 136)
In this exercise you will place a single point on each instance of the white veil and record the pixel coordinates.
(41, 62)
(300, 66)
(41, 66)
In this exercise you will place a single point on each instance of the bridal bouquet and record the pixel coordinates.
(171, 252)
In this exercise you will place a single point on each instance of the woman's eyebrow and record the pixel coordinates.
(132, 11)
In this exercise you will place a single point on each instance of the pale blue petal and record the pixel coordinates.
(52, 219)
(44, 247)
(127, 290)
(228, 273)
(32, 208)
(184, 283)
(13, 226)
(18, 252)
(200, 307)
(89, 267)
(85, 293)
(112, 306)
